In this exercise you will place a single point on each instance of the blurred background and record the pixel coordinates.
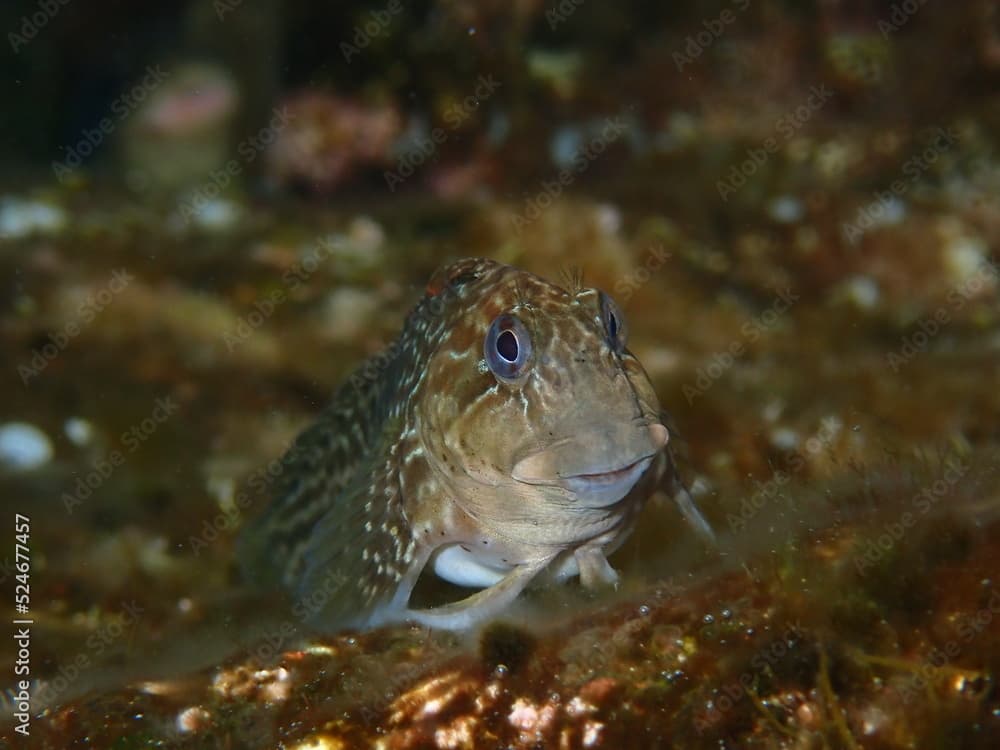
(212, 212)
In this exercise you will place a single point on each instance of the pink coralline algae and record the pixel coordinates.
(328, 138)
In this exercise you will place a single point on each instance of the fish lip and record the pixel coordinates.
(597, 485)
(594, 479)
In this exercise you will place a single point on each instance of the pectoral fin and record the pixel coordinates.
(595, 570)
(482, 605)
(670, 481)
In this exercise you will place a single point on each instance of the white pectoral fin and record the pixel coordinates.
(482, 605)
(457, 565)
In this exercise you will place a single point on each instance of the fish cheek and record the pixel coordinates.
(640, 382)
(455, 427)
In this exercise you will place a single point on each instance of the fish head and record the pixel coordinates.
(533, 393)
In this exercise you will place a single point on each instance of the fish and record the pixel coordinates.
(507, 431)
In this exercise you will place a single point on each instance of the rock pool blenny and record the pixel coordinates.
(507, 431)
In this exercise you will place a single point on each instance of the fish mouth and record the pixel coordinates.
(633, 469)
(597, 488)
(606, 487)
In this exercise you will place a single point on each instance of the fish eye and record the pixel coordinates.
(507, 347)
(614, 323)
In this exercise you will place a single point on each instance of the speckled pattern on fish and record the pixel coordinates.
(507, 431)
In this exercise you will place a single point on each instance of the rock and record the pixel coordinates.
(965, 259)
(328, 138)
(23, 446)
(861, 291)
(179, 137)
(786, 209)
(22, 218)
(79, 431)
(213, 215)
(347, 313)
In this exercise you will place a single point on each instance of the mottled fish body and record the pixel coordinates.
(507, 431)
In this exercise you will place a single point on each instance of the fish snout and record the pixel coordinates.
(598, 466)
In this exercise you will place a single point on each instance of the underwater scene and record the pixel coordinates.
(508, 375)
